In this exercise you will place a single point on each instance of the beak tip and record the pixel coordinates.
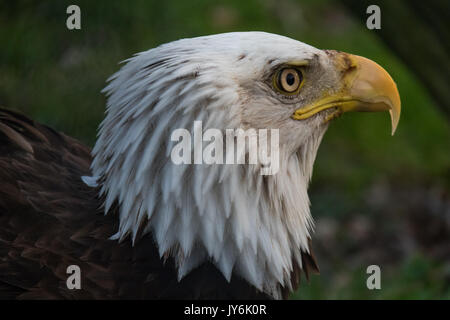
(395, 118)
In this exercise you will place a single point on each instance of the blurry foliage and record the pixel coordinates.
(55, 76)
(417, 278)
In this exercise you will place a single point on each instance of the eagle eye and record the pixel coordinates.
(288, 80)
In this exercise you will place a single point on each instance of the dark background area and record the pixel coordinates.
(376, 199)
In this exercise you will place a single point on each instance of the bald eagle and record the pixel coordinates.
(139, 225)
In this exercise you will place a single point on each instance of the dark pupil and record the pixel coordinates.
(290, 79)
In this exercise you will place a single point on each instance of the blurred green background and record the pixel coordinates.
(376, 199)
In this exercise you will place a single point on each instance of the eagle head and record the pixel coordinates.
(255, 226)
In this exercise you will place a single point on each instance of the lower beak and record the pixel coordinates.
(366, 87)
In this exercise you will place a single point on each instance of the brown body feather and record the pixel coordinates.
(49, 219)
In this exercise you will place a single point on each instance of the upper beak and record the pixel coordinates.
(366, 87)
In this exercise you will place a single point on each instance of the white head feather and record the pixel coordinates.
(252, 225)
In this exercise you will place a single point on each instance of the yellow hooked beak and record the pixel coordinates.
(366, 87)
